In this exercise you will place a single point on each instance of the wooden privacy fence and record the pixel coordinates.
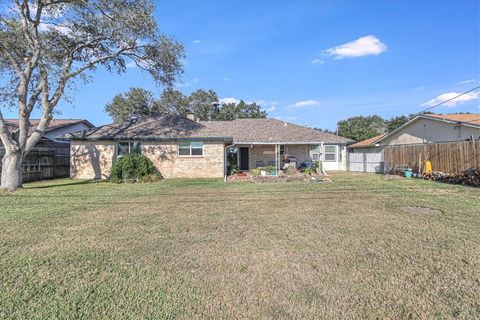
(448, 157)
(44, 163)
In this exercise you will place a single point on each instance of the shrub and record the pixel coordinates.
(234, 170)
(255, 172)
(133, 168)
(308, 171)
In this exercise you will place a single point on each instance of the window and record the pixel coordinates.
(194, 148)
(330, 153)
(315, 152)
(126, 147)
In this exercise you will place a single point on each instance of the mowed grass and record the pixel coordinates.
(360, 247)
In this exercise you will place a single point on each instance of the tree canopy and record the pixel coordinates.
(361, 127)
(364, 127)
(46, 44)
(204, 104)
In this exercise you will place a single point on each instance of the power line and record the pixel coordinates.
(439, 104)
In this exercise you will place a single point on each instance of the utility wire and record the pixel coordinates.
(439, 104)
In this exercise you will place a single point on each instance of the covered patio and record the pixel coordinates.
(272, 157)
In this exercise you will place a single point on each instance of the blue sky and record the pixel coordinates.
(315, 62)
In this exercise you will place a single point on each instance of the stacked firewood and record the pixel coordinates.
(470, 177)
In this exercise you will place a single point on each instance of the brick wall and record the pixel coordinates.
(166, 159)
(93, 160)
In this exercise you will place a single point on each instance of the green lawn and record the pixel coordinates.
(360, 247)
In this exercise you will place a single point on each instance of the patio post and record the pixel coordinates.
(277, 159)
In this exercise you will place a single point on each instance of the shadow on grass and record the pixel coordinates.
(63, 184)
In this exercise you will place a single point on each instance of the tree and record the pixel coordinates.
(47, 44)
(396, 122)
(136, 102)
(325, 130)
(204, 104)
(172, 101)
(361, 128)
(250, 110)
(241, 110)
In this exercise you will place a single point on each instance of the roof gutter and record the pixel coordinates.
(285, 143)
(225, 139)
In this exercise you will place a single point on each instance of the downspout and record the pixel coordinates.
(225, 162)
(323, 155)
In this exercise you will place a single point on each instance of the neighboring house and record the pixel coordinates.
(56, 128)
(50, 157)
(181, 147)
(367, 155)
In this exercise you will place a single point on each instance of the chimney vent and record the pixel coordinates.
(191, 116)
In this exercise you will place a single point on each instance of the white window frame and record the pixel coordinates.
(190, 155)
(335, 153)
(130, 142)
(314, 149)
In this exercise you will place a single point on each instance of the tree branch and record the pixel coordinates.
(5, 135)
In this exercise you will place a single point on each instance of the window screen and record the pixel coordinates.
(194, 148)
(330, 153)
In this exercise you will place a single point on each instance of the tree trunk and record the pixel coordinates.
(11, 171)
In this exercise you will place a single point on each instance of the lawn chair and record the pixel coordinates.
(260, 164)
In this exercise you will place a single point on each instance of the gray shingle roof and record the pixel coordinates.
(54, 124)
(270, 131)
(162, 127)
(174, 127)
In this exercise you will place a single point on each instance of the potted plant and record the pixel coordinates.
(271, 170)
(234, 170)
(255, 172)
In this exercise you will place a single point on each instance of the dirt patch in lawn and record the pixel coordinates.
(421, 210)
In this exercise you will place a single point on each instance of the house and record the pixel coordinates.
(368, 156)
(181, 147)
(50, 157)
(56, 128)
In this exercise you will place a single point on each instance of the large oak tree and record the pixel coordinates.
(46, 44)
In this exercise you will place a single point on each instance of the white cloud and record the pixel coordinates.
(270, 109)
(364, 46)
(196, 41)
(227, 79)
(449, 95)
(230, 100)
(467, 81)
(317, 61)
(305, 103)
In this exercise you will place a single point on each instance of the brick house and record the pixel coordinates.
(181, 147)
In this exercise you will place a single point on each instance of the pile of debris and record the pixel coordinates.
(470, 177)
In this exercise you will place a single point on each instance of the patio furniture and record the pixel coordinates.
(271, 163)
(260, 164)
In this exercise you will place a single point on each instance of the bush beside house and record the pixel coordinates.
(134, 168)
